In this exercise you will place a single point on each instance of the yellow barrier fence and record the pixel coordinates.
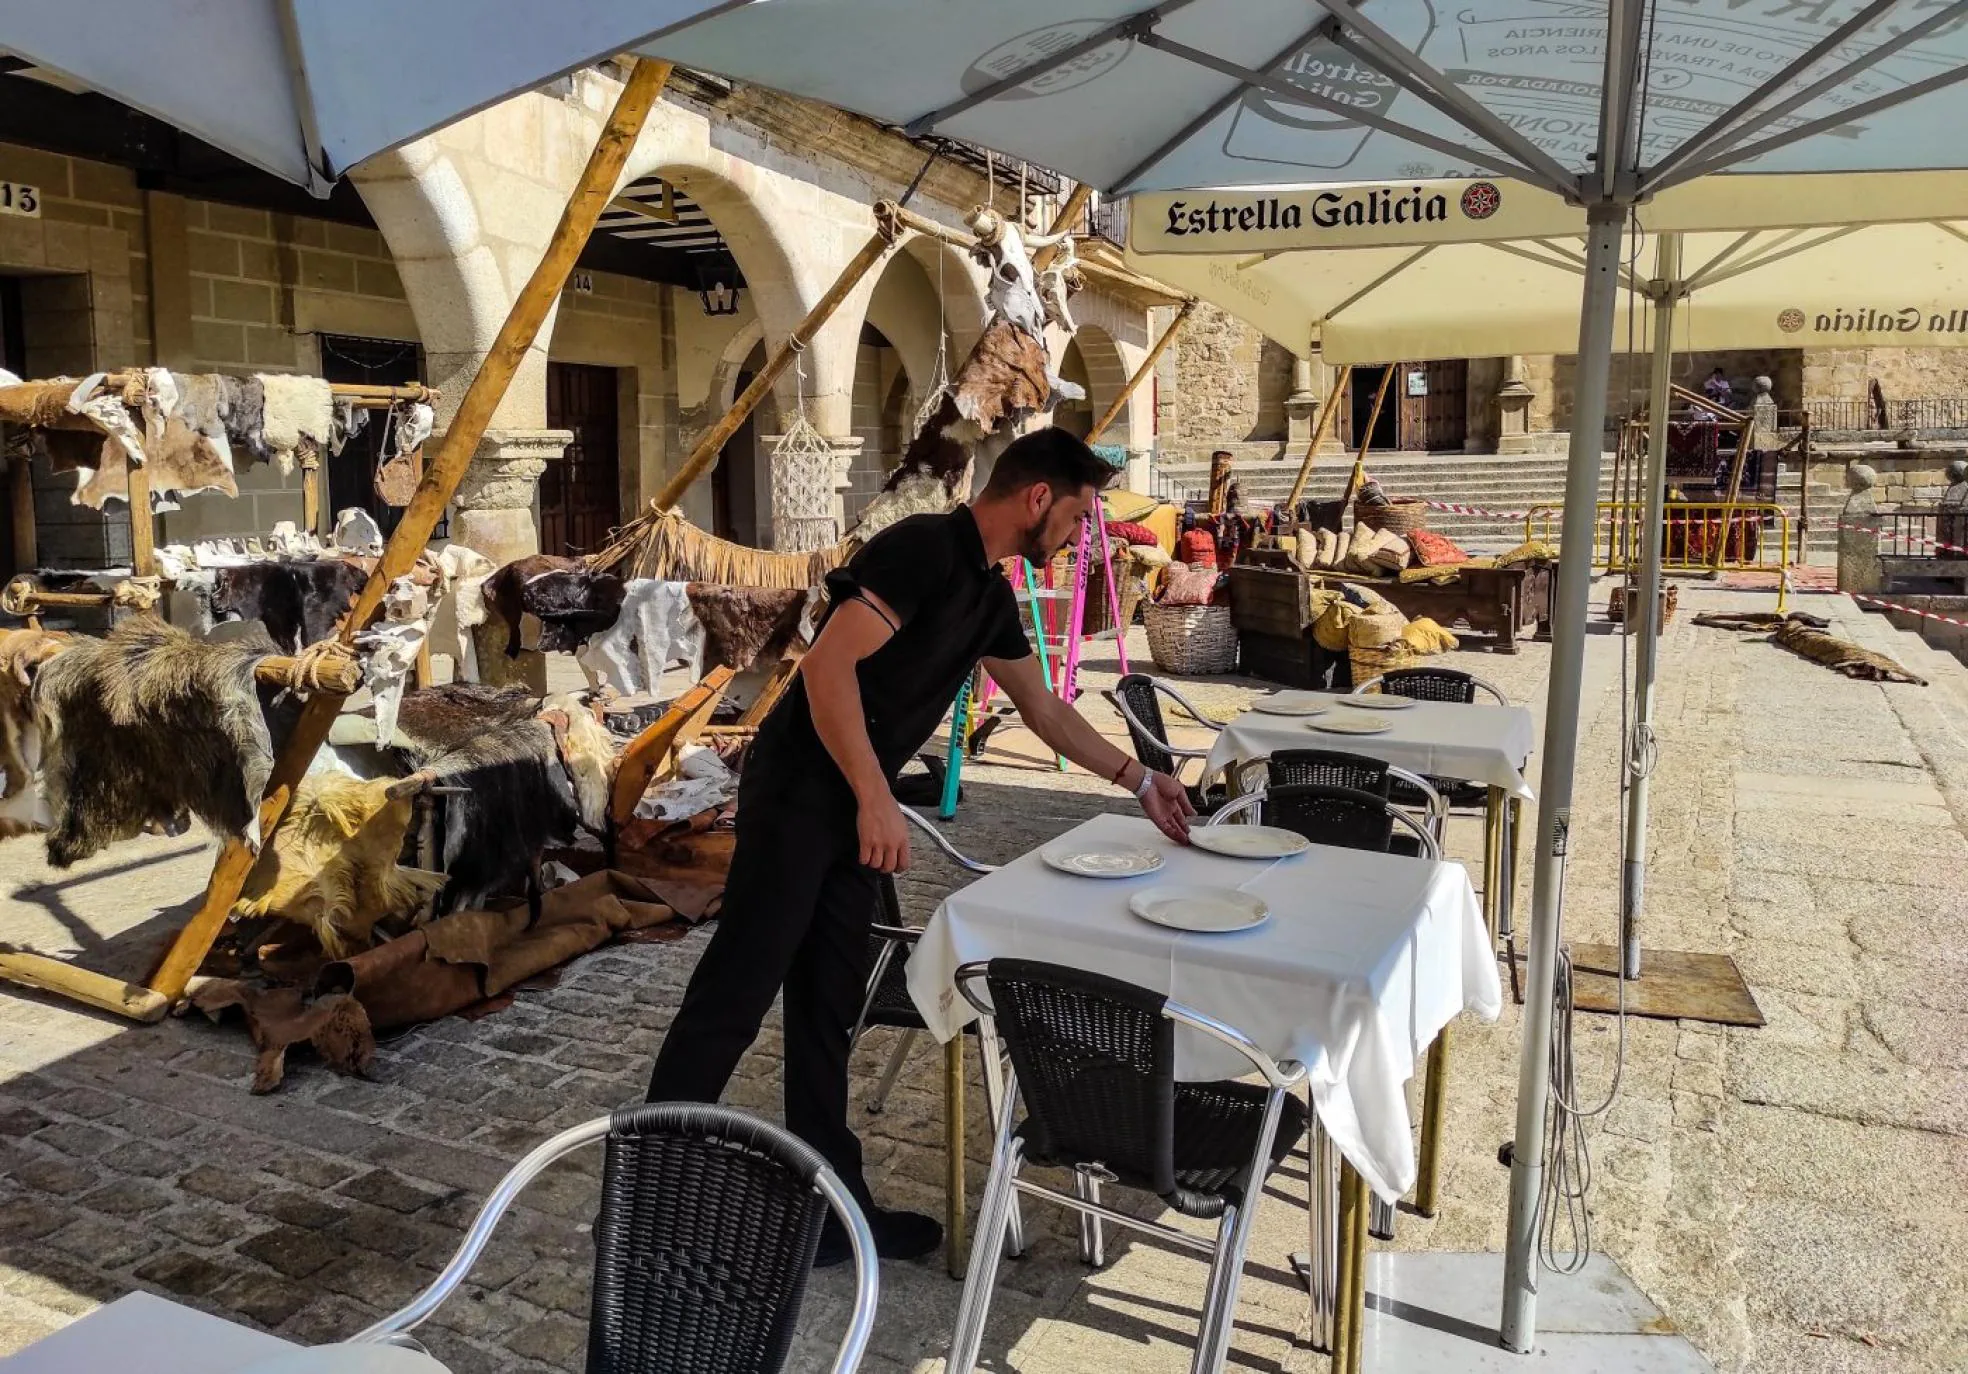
(1700, 536)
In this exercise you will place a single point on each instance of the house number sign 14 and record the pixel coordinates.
(19, 199)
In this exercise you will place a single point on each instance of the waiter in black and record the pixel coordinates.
(909, 618)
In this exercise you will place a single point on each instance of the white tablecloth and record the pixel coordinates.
(1438, 739)
(1366, 956)
(141, 1333)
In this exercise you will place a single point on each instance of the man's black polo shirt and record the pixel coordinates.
(955, 607)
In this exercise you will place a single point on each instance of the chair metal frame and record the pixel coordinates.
(1423, 833)
(893, 938)
(1007, 1158)
(1176, 752)
(392, 1329)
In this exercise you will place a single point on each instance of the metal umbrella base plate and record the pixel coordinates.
(1438, 1312)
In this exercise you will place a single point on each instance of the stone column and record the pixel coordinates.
(495, 500)
(1301, 408)
(1858, 543)
(807, 509)
(1514, 399)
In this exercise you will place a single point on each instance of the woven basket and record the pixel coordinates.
(1191, 640)
(1375, 629)
(1402, 515)
(1371, 663)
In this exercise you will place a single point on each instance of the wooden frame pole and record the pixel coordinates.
(1113, 411)
(1359, 473)
(1319, 432)
(20, 503)
(454, 455)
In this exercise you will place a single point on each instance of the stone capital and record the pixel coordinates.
(496, 498)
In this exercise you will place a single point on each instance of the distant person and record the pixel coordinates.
(1718, 390)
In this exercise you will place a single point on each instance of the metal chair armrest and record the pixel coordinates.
(1250, 801)
(1169, 691)
(921, 822)
(1438, 805)
(907, 935)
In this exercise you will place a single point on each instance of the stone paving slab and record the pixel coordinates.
(1792, 1197)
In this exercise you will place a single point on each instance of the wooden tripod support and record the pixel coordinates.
(441, 477)
(1319, 432)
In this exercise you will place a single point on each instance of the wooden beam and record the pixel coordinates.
(20, 509)
(1113, 411)
(441, 477)
(646, 756)
(96, 990)
(666, 213)
(143, 525)
(1319, 432)
(1075, 206)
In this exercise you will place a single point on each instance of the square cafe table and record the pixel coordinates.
(1479, 743)
(1365, 959)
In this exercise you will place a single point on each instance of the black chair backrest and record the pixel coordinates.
(705, 1238)
(1348, 817)
(1326, 768)
(1095, 1059)
(1430, 684)
(1150, 751)
(891, 1004)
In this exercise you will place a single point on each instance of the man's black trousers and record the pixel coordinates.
(796, 913)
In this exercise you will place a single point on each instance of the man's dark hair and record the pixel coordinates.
(1052, 455)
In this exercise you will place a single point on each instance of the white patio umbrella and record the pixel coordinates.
(1129, 96)
(1458, 288)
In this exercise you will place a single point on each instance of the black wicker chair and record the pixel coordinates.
(1438, 684)
(1343, 816)
(1137, 697)
(1336, 768)
(1094, 1059)
(708, 1226)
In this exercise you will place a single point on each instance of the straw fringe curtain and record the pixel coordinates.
(671, 548)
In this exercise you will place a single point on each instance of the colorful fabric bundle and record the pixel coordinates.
(1432, 550)
(1194, 586)
(1131, 532)
(1197, 548)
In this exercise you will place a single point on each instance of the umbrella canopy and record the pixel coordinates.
(305, 89)
(1457, 288)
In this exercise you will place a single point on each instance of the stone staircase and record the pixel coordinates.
(1516, 482)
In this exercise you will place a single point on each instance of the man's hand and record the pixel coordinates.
(884, 836)
(1167, 805)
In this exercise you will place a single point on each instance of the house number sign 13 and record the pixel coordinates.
(19, 199)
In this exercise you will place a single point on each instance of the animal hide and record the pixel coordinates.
(1841, 656)
(186, 447)
(746, 627)
(298, 600)
(145, 725)
(242, 405)
(460, 608)
(656, 627)
(295, 408)
(22, 654)
(520, 800)
(587, 751)
(332, 864)
(570, 602)
(279, 1018)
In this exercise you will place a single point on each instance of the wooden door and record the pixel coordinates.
(1434, 405)
(350, 476)
(581, 493)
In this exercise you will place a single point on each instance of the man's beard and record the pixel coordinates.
(1034, 547)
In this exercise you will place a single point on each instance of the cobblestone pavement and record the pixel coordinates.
(1793, 1197)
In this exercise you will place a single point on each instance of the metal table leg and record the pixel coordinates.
(1349, 1303)
(1322, 1218)
(1493, 862)
(956, 1247)
(1434, 1097)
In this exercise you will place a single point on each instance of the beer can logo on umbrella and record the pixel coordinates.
(1481, 200)
(1033, 47)
(1790, 321)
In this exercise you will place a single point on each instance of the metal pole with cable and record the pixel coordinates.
(1666, 290)
(1604, 225)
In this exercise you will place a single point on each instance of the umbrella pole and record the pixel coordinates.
(1561, 731)
(1633, 875)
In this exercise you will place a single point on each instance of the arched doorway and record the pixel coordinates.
(738, 489)
(1075, 417)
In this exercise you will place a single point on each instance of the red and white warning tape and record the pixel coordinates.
(1903, 535)
(1910, 610)
(1457, 508)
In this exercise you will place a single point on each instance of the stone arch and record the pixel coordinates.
(762, 248)
(959, 283)
(1106, 375)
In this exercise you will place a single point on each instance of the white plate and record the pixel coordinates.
(1249, 841)
(1290, 704)
(1203, 910)
(1346, 723)
(1381, 701)
(1101, 860)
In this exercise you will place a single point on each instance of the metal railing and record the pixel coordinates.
(1700, 536)
(1919, 412)
(1926, 532)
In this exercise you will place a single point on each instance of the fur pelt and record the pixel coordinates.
(570, 602)
(488, 740)
(189, 451)
(587, 751)
(746, 627)
(145, 725)
(22, 655)
(294, 409)
(299, 600)
(242, 405)
(1841, 655)
(332, 864)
